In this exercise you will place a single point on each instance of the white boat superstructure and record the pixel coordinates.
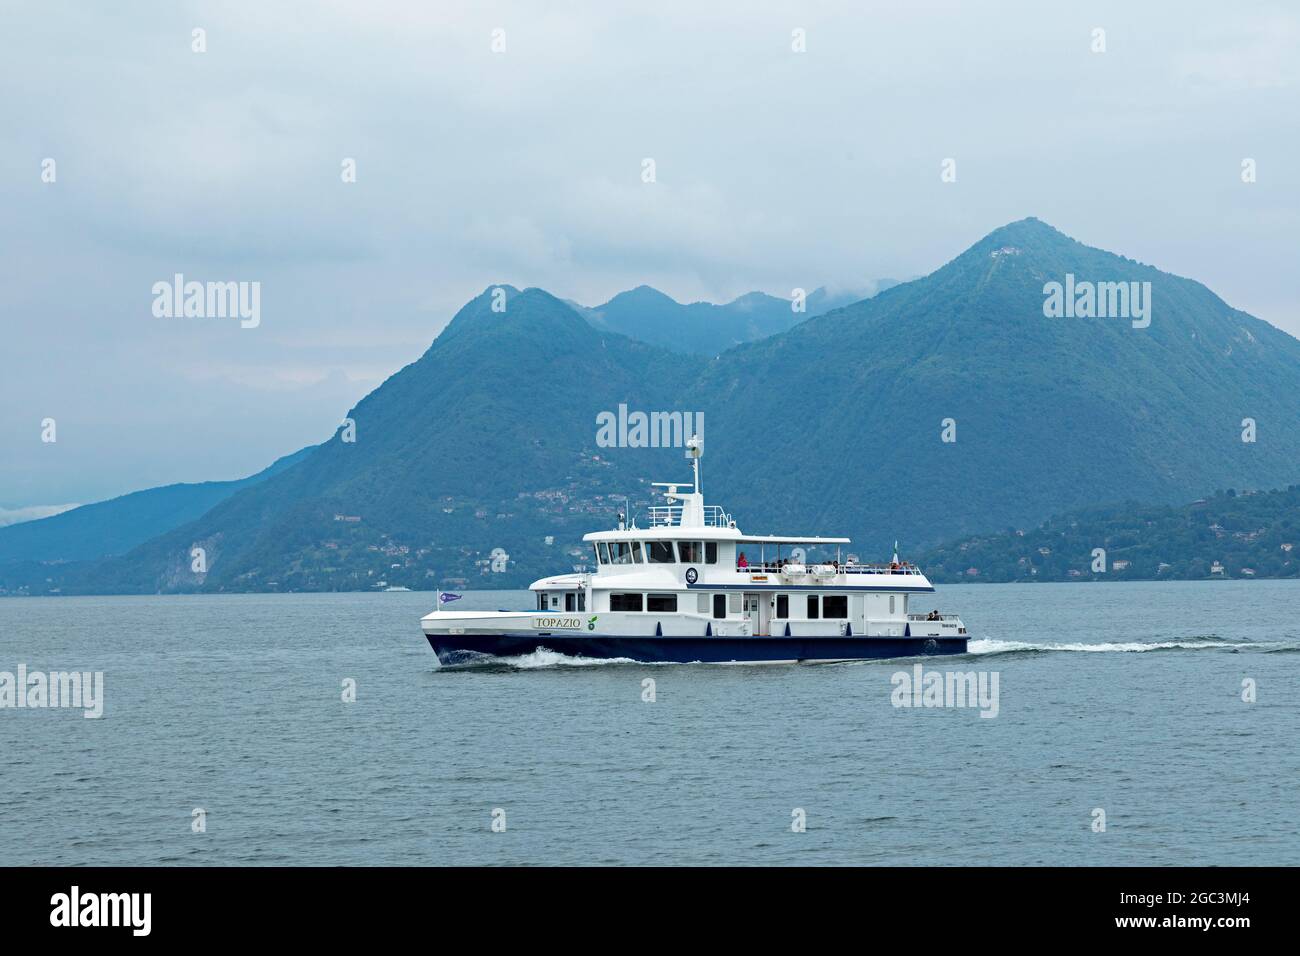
(691, 586)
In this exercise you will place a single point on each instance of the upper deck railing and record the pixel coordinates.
(771, 567)
(879, 569)
(670, 516)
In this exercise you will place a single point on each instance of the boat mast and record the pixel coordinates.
(694, 449)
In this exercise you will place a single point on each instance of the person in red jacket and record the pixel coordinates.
(741, 562)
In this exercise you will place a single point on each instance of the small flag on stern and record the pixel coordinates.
(445, 598)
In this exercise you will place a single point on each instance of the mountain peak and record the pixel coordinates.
(1030, 245)
(642, 295)
(505, 307)
(1030, 231)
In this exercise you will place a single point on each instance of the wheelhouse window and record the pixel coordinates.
(621, 552)
(570, 601)
(710, 552)
(555, 601)
(690, 551)
(783, 605)
(813, 606)
(596, 548)
(661, 602)
(636, 552)
(625, 602)
(719, 606)
(541, 600)
(836, 606)
(660, 552)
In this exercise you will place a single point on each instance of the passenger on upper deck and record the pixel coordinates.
(741, 562)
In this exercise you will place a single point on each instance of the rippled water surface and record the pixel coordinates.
(1123, 697)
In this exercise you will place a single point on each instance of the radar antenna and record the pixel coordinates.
(694, 449)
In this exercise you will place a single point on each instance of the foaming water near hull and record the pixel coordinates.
(535, 660)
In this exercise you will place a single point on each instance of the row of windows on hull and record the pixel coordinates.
(657, 552)
(817, 606)
(829, 606)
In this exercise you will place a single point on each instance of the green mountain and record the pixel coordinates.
(1231, 535)
(838, 424)
(118, 525)
(480, 464)
(703, 328)
(487, 442)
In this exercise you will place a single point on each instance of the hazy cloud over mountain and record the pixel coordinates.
(10, 516)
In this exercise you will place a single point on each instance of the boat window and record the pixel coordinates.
(812, 607)
(710, 552)
(690, 551)
(541, 600)
(620, 552)
(702, 607)
(570, 601)
(783, 605)
(660, 552)
(603, 552)
(719, 606)
(661, 602)
(555, 601)
(837, 605)
(636, 552)
(891, 605)
(625, 602)
(582, 600)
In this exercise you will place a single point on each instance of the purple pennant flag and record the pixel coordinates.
(446, 598)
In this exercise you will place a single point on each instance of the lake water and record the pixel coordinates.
(1125, 698)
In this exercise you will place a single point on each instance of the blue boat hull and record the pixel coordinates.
(470, 648)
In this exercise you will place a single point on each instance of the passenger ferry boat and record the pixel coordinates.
(691, 587)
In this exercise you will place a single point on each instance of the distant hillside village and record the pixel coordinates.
(539, 533)
(1230, 535)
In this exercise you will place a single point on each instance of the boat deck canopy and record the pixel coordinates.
(783, 539)
(677, 533)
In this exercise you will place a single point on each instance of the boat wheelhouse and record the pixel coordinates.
(690, 586)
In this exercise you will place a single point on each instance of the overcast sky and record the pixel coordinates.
(775, 169)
